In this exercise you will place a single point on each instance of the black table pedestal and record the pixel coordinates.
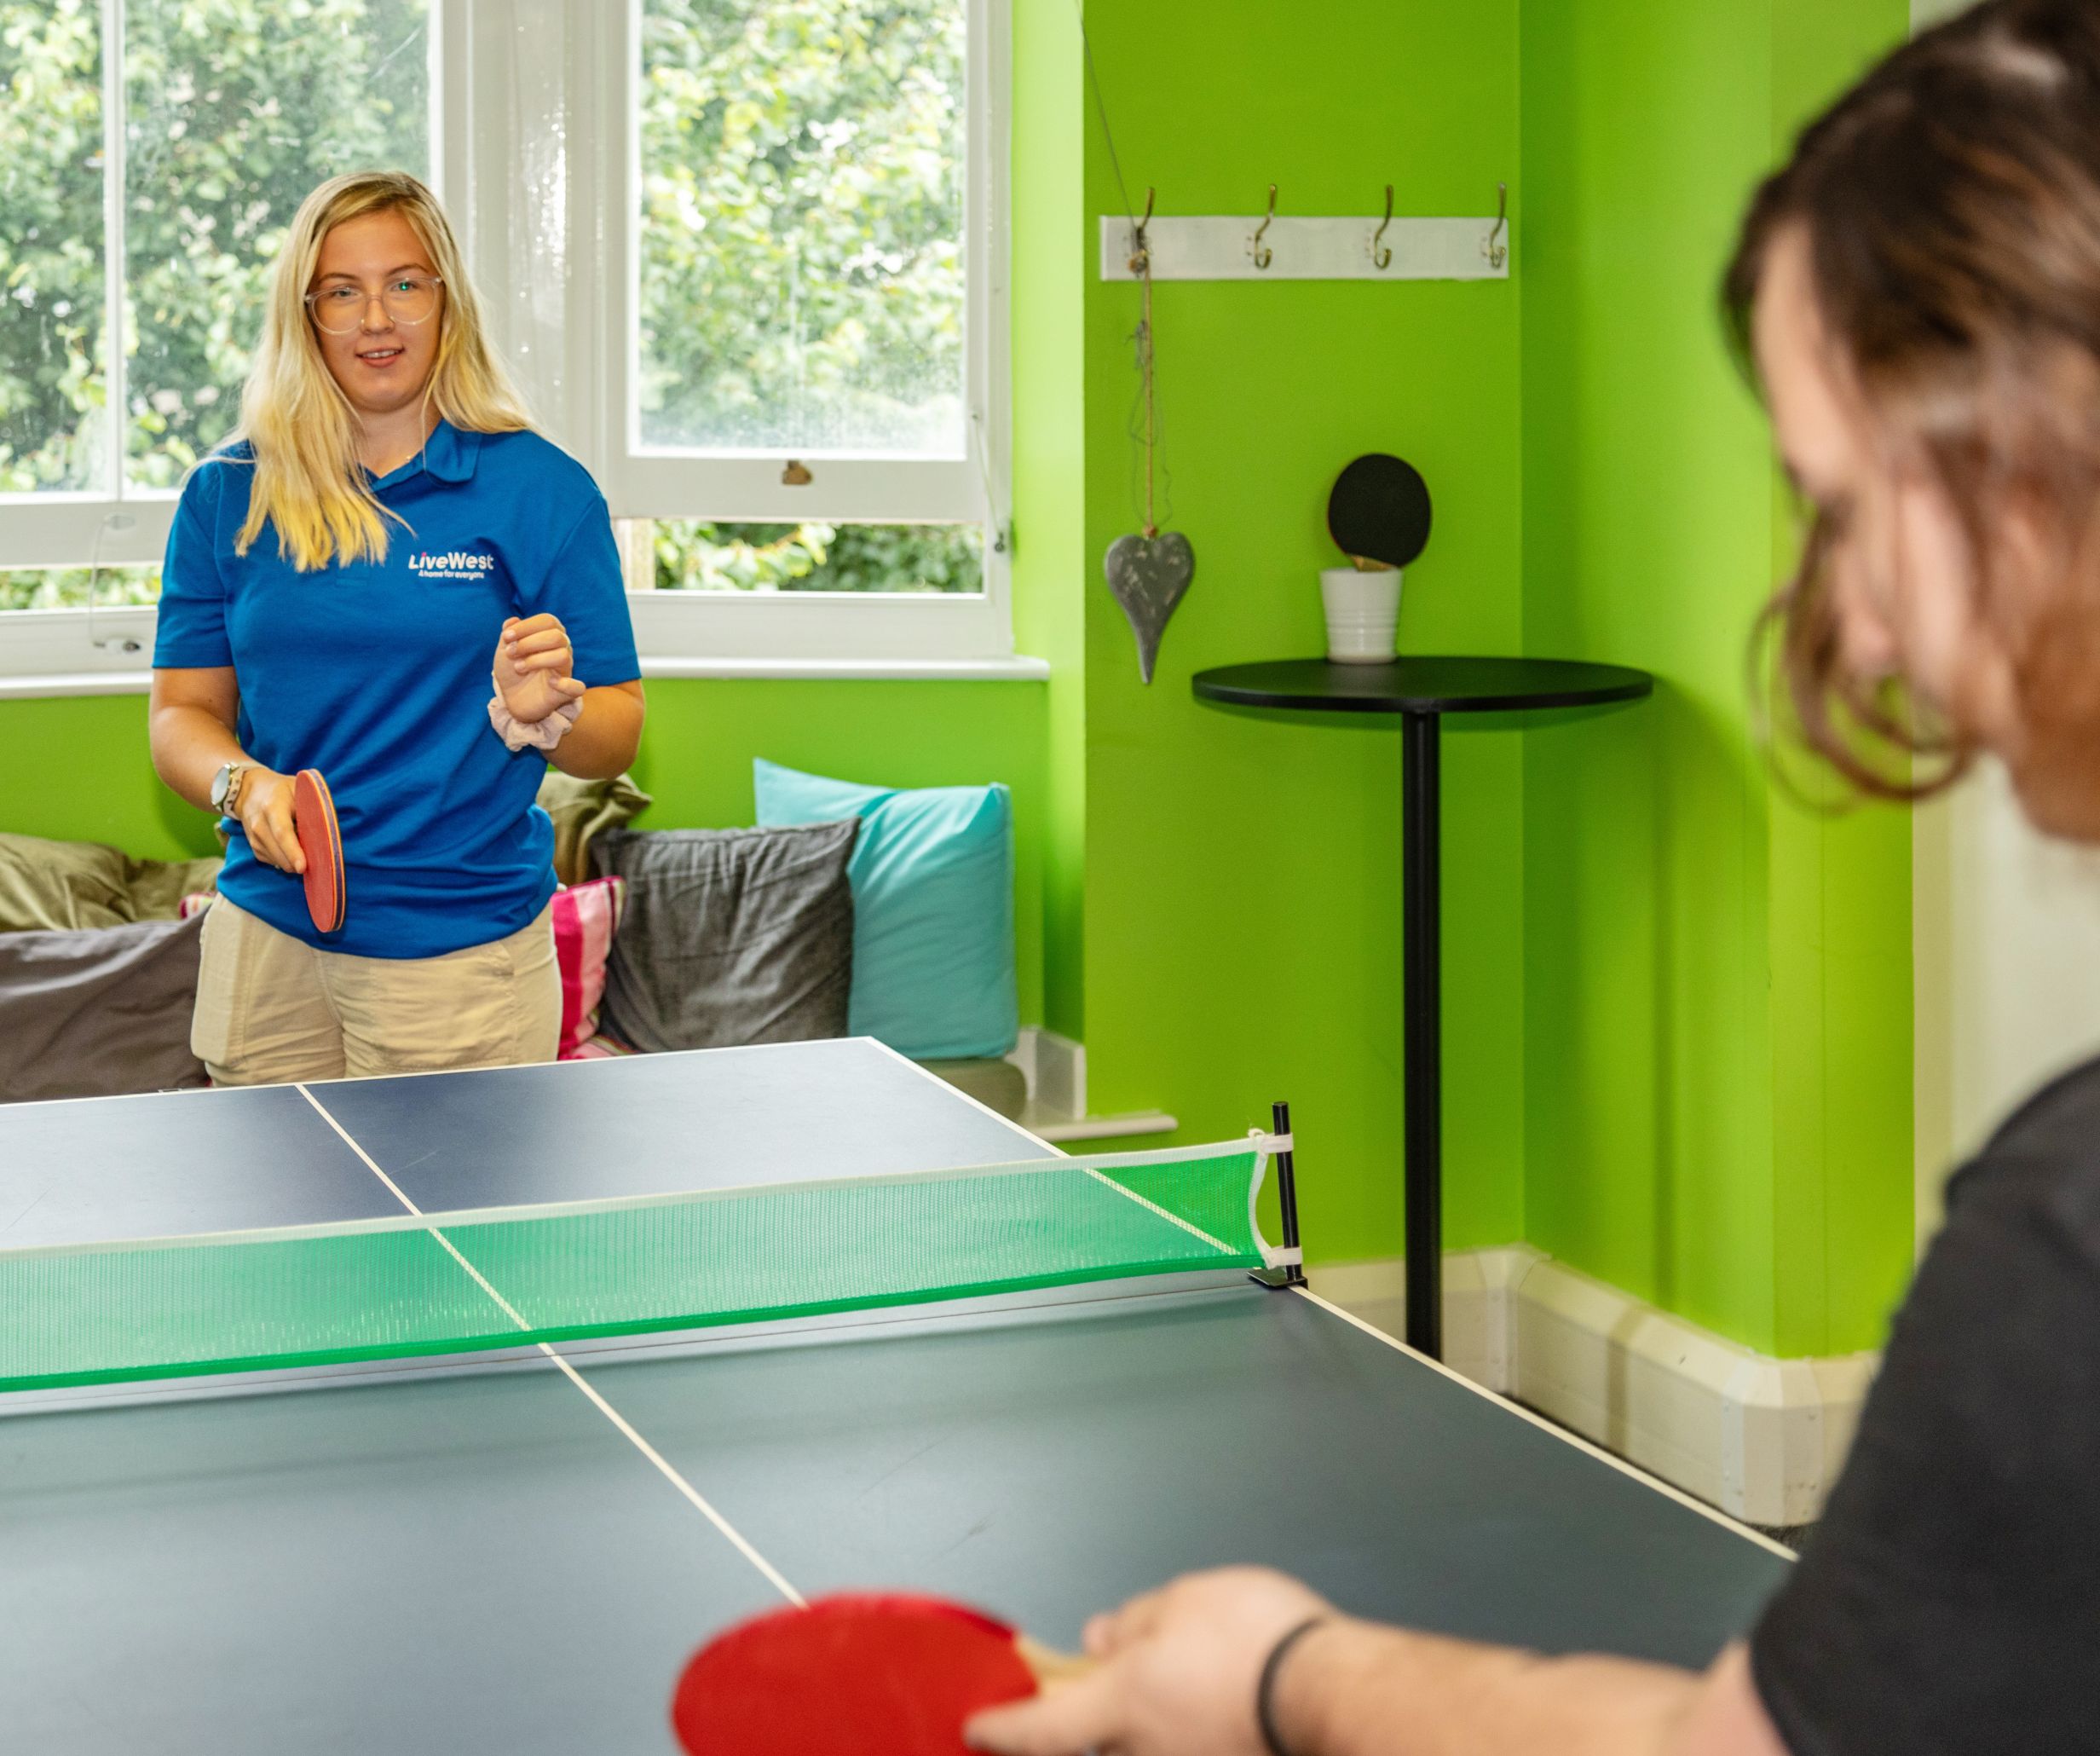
(1422, 1044)
(1420, 691)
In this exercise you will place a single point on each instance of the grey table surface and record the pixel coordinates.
(469, 1556)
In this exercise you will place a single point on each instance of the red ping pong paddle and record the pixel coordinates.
(869, 1673)
(320, 840)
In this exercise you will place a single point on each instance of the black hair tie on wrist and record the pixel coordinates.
(1265, 1690)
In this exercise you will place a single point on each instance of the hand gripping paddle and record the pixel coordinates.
(1379, 511)
(320, 840)
(856, 1674)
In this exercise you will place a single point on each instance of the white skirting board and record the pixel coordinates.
(1759, 1438)
(1055, 1068)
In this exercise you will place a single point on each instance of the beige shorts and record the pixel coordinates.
(271, 1009)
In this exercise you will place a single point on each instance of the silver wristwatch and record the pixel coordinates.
(225, 787)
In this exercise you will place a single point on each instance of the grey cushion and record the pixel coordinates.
(729, 936)
(99, 1011)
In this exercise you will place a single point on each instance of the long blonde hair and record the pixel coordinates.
(309, 482)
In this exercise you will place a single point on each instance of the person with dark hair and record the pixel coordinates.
(1917, 290)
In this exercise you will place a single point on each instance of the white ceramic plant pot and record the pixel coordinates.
(1363, 614)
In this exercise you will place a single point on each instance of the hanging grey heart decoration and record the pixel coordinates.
(1149, 576)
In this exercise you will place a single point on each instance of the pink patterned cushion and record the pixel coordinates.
(586, 917)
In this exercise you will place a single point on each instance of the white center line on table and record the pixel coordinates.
(699, 1502)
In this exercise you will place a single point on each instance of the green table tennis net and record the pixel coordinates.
(498, 1277)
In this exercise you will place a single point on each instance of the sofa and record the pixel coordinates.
(98, 950)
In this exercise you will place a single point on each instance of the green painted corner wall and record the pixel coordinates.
(1242, 923)
(78, 770)
(1049, 464)
(1717, 980)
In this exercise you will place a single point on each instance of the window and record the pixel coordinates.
(804, 342)
(162, 229)
(52, 382)
(152, 154)
(801, 260)
(234, 111)
(746, 257)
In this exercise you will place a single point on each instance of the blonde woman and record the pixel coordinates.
(387, 576)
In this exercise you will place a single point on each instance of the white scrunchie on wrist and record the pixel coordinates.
(542, 735)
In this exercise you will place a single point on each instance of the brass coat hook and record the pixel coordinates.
(1381, 253)
(1140, 245)
(1263, 254)
(1497, 253)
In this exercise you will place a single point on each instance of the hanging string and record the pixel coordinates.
(1143, 426)
(1100, 109)
(1143, 263)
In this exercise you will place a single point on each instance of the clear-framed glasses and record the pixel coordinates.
(408, 299)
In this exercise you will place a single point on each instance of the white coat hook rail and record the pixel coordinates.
(1274, 246)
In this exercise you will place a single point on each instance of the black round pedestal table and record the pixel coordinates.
(1420, 691)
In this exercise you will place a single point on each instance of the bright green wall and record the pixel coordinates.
(77, 770)
(77, 767)
(1242, 927)
(1049, 458)
(1717, 996)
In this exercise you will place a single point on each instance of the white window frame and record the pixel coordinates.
(642, 483)
(538, 97)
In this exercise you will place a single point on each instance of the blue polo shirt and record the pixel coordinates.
(378, 674)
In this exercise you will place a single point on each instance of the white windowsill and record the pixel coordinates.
(996, 670)
(989, 670)
(15, 689)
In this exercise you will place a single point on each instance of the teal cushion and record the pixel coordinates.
(932, 881)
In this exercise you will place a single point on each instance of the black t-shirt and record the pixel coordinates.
(1950, 1599)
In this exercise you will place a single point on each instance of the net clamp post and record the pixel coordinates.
(1272, 1144)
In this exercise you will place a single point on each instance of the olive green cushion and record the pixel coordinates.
(581, 811)
(58, 886)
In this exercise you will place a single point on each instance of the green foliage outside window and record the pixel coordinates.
(801, 246)
(693, 555)
(234, 110)
(801, 241)
(69, 587)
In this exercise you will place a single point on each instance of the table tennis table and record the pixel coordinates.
(506, 1552)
